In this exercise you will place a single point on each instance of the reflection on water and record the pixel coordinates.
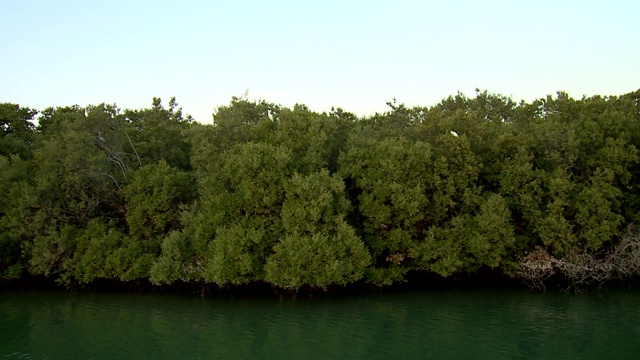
(438, 324)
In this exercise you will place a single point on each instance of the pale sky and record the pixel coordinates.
(351, 54)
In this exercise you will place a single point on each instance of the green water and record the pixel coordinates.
(420, 325)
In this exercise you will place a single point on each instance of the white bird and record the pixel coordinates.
(454, 133)
(270, 115)
(100, 137)
(244, 97)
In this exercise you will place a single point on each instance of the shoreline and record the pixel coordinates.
(415, 281)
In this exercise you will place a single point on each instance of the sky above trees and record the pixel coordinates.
(357, 55)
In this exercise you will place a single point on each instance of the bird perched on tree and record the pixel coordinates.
(244, 97)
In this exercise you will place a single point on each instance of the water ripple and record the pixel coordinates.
(455, 324)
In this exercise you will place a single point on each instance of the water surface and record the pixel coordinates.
(487, 324)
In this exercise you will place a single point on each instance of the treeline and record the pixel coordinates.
(296, 198)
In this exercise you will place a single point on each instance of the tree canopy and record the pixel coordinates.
(296, 198)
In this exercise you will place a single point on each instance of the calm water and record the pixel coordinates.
(437, 324)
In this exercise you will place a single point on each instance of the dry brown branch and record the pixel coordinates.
(583, 270)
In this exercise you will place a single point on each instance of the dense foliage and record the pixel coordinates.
(297, 198)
